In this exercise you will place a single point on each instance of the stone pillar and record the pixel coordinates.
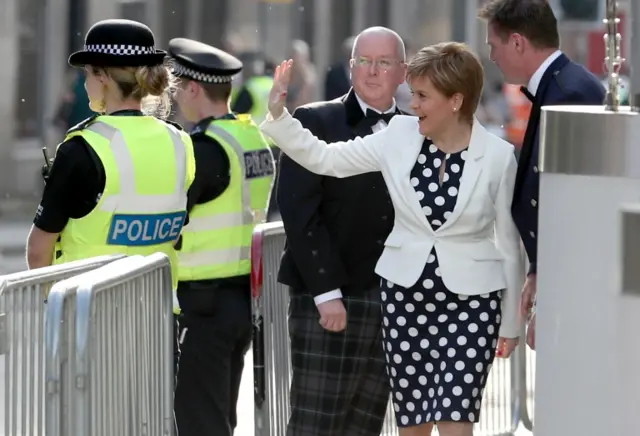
(102, 10)
(275, 28)
(322, 38)
(54, 67)
(8, 76)
(245, 27)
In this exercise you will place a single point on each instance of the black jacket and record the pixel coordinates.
(563, 83)
(335, 227)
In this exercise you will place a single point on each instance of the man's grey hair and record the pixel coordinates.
(380, 30)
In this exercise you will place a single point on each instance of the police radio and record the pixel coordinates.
(46, 168)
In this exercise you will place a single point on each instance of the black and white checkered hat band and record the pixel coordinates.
(181, 70)
(120, 49)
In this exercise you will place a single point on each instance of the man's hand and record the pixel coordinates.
(531, 332)
(528, 296)
(333, 316)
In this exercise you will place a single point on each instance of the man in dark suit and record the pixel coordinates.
(524, 41)
(337, 81)
(336, 230)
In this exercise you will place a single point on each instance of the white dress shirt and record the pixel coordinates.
(534, 82)
(337, 293)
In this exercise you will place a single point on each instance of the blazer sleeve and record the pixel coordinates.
(508, 242)
(299, 195)
(338, 159)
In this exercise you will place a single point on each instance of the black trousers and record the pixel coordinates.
(215, 334)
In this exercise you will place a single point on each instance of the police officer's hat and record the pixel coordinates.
(118, 43)
(200, 62)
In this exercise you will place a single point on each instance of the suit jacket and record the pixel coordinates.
(478, 247)
(564, 82)
(335, 228)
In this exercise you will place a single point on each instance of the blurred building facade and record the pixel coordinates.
(36, 37)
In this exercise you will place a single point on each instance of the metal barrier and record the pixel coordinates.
(528, 374)
(22, 339)
(110, 352)
(271, 354)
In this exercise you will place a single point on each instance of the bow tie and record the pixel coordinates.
(374, 116)
(528, 94)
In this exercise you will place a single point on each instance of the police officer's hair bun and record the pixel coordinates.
(153, 81)
(152, 86)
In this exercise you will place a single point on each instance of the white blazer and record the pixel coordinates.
(478, 247)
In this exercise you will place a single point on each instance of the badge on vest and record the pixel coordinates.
(258, 163)
(143, 230)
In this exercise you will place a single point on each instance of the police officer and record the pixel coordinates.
(119, 181)
(253, 96)
(235, 171)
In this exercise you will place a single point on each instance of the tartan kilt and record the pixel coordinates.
(340, 385)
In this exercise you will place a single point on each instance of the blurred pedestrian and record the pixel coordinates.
(337, 81)
(304, 80)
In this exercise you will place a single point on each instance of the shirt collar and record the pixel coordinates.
(365, 106)
(535, 80)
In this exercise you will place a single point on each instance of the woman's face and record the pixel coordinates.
(95, 86)
(435, 111)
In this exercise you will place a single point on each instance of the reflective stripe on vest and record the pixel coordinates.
(225, 220)
(128, 199)
(216, 242)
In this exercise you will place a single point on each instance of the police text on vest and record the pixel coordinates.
(259, 163)
(143, 230)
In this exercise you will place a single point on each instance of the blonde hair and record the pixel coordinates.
(452, 68)
(152, 86)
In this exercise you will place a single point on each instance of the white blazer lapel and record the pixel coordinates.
(408, 156)
(470, 173)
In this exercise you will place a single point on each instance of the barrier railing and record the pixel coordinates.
(271, 354)
(22, 339)
(109, 351)
(529, 375)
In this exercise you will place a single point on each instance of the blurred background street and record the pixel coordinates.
(42, 97)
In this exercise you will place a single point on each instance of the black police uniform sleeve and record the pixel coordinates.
(212, 171)
(75, 181)
(299, 197)
(243, 103)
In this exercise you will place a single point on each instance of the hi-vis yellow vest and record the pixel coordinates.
(217, 241)
(259, 88)
(149, 166)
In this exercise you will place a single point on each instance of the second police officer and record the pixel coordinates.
(235, 172)
(119, 181)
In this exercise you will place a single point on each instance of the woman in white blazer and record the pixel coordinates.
(451, 268)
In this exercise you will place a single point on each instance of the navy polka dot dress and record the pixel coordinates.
(439, 345)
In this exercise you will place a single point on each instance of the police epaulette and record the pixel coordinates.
(174, 124)
(82, 124)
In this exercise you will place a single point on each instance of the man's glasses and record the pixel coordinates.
(381, 64)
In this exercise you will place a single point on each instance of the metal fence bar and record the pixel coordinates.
(528, 377)
(60, 348)
(272, 372)
(22, 339)
(123, 368)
